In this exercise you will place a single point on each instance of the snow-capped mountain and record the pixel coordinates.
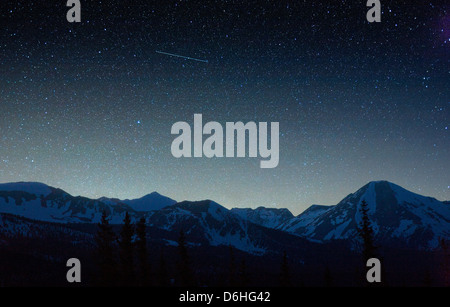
(267, 217)
(206, 223)
(40, 202)
(34, 188)
(151, 202)
(209, 222)
(397, 216)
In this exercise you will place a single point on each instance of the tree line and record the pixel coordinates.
(123, 258)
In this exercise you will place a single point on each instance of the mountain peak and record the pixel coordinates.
(152, 194)
(150, 202)
(389, 193)
(396, 214)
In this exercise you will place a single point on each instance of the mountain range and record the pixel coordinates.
(400, 218)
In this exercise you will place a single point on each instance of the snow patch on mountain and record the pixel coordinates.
(33, 209)
(267, 217)
(217, 211)
(306, 220)
(236, 240)
(336, 233)
(35, 188)
(406, 228)
(57, 206)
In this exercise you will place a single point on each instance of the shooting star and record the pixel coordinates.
(181, 56)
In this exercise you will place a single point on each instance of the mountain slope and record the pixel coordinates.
(209, 223)
(147, 203)
(44, 203)
(397, 215)
(267, 217)
(150, 202)
(206, 223)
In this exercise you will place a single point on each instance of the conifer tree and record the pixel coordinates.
(105, 239)
(126, 252)
(366, 233)
(141, 247)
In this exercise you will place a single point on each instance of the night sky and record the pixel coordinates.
(88, 107)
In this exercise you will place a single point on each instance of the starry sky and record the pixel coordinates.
(88, 107)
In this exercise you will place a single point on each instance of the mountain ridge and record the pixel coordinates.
(398, 215)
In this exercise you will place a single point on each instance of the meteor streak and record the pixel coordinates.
(181, 56)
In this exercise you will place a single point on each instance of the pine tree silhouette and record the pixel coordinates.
(105, 239)
(126, 252)
(285, 278)
(366, 233)
(184, 268)
(141, 248)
